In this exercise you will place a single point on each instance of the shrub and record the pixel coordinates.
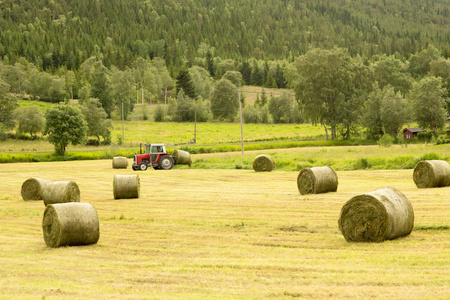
(442, 139)
(386, 140)
(250, 114)
(361, 164)
(430, 156)
(425, 136)
(160, 113)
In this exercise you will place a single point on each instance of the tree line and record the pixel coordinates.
(330, 87)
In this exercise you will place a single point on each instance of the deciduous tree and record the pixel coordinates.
(280, 108)
(65, 124)
(393, 111)
(101, 87)
(7, 105)
(224, 100)
(30, 119)
(428, 102)
(96, 119)
(389, 70)
(325, 87)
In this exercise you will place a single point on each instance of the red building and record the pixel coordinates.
(410, 133)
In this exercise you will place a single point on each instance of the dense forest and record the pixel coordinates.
(376, 64)
(51, 34)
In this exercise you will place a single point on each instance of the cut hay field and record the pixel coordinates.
(220, 234)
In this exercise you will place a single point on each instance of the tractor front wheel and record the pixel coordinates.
(166, 162)
(143, 167)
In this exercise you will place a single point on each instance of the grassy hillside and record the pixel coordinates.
(220, 234)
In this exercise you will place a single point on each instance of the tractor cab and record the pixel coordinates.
(155, 156)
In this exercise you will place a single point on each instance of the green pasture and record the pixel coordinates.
(43, 106)
(220, 234)
(171, 133)
(340, 158)
(211, 133)
(288, 155)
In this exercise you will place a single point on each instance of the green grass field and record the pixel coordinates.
(220, 234)
(172, 133)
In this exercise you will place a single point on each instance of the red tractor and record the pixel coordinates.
(155, 156)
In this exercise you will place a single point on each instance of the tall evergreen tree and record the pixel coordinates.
(210, 63)
(256, 77)
(246, 72)
(184, 82)
(102, 88)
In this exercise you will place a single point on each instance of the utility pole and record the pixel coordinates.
(123, 126)
(137, 93)
(195, 126)
(240, 118)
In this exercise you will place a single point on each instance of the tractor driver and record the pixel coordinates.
(157, 149)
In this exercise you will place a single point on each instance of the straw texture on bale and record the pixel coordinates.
(384, 214)
(119, 162)
(317, 180)
(182, 157)
(126, 186)
(70, 224)
(432, 173)
(61, 192)
(263, 163)
(32, 188)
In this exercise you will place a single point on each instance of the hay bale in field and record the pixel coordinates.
(70, 224)
(182, 157)
(432, 173)
(119, 162)
(384, 214)
(32, 188)
(317, 180)
(61, 192)
(263, 163)
(126, 186)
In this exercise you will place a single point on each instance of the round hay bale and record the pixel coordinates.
(61, 192)
(432, 173)
(384, 214)
(32, 188)
(263, 163)
(126, 186)
(182, 157)
(317, 180)
(70, 224)
(119, 162)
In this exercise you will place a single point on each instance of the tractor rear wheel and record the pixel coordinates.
(166, 162)
(142, 166)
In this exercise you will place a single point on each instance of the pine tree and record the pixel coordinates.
(246, 72)
(184, 82)
(209, 63)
